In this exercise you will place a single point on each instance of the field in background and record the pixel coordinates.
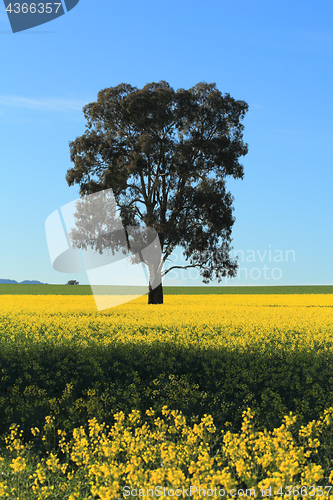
(18, 289)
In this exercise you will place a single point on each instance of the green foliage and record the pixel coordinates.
(166, 155)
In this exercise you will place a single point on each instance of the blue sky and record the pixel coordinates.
(276, 56)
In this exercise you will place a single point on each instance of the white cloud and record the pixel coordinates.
(43, 104)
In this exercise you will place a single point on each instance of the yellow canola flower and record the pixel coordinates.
(53, 463)
(273, 456)
(18, 464)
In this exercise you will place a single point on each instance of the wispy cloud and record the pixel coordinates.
(289, 131)
(43, 104)
(257, 106)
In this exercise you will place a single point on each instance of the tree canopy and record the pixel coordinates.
(166, 155)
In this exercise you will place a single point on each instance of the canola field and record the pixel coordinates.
(218, 396)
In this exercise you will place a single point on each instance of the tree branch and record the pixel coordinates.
(134, 187)
(133, 201)
(179, 267)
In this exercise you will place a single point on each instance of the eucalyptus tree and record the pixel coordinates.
(166, 155)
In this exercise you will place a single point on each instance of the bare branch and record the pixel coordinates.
(178, 267)
(139, 212)
(133, 186)
(133, 201)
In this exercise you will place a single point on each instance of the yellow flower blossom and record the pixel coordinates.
(18, 464)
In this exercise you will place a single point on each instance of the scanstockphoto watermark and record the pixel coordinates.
(302, 491)
(24, 15)
(183, 492)
(267, 264)
(267, 256)
(88, 235)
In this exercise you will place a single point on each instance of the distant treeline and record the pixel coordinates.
(25, 282)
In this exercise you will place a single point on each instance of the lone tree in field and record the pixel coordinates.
(170, 152)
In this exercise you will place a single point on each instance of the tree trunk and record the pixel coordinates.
(155, 295)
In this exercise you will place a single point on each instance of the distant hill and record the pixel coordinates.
(26, 282)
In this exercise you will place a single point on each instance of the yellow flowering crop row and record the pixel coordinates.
(244, 319)
(166, 455)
